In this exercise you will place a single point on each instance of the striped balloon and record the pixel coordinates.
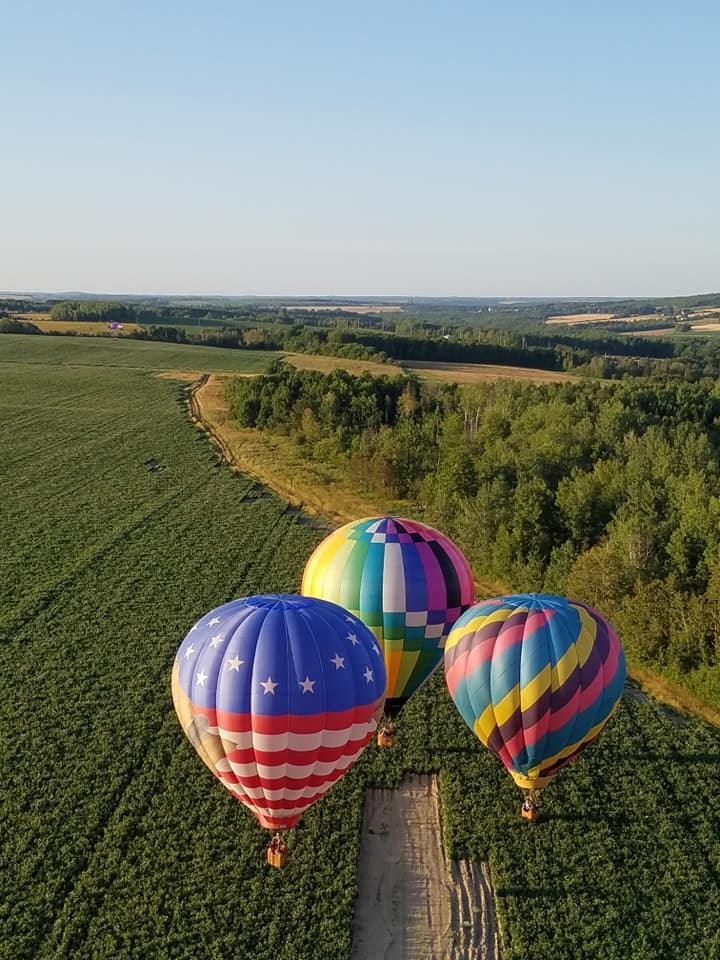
(279, 695)
(536, 678)
(406, 581)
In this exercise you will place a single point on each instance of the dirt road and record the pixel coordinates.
(410, 905)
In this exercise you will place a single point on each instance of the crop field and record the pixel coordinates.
(141, 355)
(572, 318)
(119, 528)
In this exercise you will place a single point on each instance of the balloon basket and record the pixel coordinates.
(277, 853)
(386, 739)
(531, 814)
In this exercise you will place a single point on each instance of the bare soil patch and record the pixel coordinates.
(411, 904)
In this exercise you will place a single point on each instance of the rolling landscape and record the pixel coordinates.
(360, 481)
(117, 842)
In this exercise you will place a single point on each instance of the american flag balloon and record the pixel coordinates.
(279, 694)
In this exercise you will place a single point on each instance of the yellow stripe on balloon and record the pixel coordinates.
(482, 620)
(531, 692)
(563, 669)
(509, 705)
(485, 724)
(312, 581)
(586, 638)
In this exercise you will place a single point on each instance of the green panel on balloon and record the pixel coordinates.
(349, 588)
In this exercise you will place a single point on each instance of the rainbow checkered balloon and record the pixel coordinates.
(404, 580)
(536, 678)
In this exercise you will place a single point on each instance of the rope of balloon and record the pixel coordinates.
(279, 694)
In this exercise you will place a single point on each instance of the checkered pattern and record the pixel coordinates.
(405, 580)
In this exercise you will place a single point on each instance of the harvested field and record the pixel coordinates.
(345, 307)
(478, 372)
(709, 327)
(410, 903)
(31, 316)
(659, 332)
(307, 361)
(581, 318)
(71, 326)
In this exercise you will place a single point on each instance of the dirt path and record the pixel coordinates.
(272, 462)
(410, 906)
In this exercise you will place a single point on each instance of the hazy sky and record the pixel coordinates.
(448, 148)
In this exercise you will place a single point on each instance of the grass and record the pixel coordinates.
(118, 843)
(305, 361)
(131, 354)
(276, 462)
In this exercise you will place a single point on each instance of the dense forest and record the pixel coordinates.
(609, 492)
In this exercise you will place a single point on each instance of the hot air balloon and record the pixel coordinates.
(407, 582)
(279, 694)
(536, 677)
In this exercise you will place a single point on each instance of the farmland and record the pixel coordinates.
(120, 527)
(68, 326)
(480, 372)
(129, 354)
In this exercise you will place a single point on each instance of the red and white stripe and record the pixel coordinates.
(279, 765)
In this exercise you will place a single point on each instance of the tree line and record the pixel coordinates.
(606, 492)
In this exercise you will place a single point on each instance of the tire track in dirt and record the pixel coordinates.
(411, 904)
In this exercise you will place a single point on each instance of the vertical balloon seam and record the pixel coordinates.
(254, 658)
(520, 757)
(607, 707)
(496, 730)
(235, 629)
(286, 615)
(323, 686)
(218, 684)
(540, 722)
(574, 739)
(599, 712)
(572, 645)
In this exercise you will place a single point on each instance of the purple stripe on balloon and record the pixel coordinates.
(472, 639)
(563, 694)
(512, 727)
(536, 711)
(496, 744)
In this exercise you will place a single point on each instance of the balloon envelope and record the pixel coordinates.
(536, 677)
(279, 694)
(407, 581)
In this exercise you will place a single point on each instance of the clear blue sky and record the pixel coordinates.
(456, 148)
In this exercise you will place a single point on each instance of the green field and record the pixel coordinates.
(138, 354)
(119, 528)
